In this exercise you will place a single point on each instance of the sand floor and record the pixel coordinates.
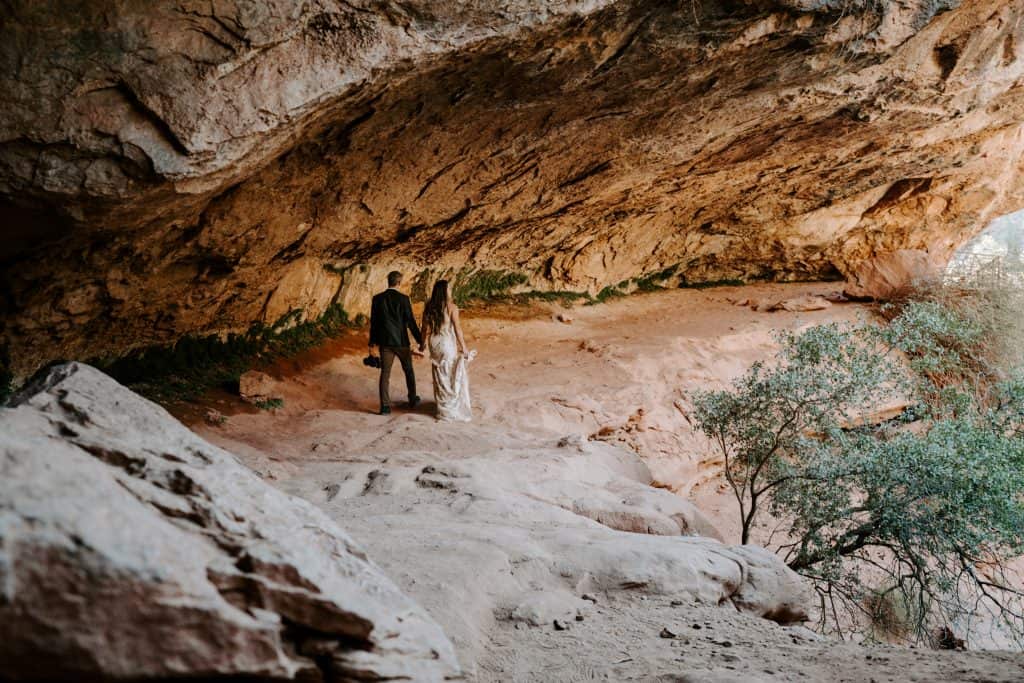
(618, 374)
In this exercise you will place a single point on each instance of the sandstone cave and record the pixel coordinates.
(733, 326)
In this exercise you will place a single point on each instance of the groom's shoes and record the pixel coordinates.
(413, 402)
(386, 410)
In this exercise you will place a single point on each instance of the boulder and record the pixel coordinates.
(526, 534)
(130, 548)
(891, 274)
(769, 588)
(255, 386)
(799, 304)
(796, 304)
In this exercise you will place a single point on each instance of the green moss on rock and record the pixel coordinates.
(485, 285)
(607, 294)
(269, 403)
(194, 364)
(655, 281)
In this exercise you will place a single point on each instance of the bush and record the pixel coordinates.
(965, 337)
(193, 365)
(269, 403)
(930, 505)
(486, 285)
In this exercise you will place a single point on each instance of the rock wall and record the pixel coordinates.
(180, 169)
(131, 549)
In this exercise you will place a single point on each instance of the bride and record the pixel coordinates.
(449, 356)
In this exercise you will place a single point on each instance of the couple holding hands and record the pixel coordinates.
(391, 320)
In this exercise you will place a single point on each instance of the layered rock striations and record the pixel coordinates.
(194, 168)
(131, 549)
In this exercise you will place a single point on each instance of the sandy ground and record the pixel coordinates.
(471, 519)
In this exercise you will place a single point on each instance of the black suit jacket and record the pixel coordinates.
(390, 320)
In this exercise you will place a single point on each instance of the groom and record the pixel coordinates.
(390, 318)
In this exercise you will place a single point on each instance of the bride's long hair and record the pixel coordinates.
(433, 313)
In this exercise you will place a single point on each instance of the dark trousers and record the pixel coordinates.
(387, 358)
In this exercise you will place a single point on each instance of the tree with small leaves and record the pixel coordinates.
(929, 506)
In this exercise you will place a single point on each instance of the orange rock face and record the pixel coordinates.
(167, 170)
(891, 274)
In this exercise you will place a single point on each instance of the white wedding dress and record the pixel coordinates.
(451, 374)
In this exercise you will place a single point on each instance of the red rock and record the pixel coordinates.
(891, 274)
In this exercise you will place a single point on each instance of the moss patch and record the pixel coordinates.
(655, 281)
(564, 297)
(485, 285)
(607, 294)
(186, 369)
(269, 403)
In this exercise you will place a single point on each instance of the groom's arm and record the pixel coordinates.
(411, 322)
(374, 323)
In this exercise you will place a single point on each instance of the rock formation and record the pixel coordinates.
(130, 548)
(491, 528)
(192, 168)
(891, 274)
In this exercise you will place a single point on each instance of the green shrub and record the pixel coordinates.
(485, 285)
(654, 281)
(607, 294)
(965, 337)
(684, 284)
(269, 403)
(931, 503)
(193, 365)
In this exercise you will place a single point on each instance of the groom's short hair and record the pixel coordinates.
(394, 278)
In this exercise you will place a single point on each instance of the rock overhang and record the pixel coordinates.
(180, 171)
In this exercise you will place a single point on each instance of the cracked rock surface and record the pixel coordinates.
(130, 548)
(192, 168)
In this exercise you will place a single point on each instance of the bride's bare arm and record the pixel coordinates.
(425, 328)
(454, 313)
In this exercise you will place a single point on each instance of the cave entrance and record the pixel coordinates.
(994, 258)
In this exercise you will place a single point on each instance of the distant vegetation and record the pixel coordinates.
(485, 285)
(193, 365)
(904, 526)
(269, 403)
(186, 369)
(499, 285)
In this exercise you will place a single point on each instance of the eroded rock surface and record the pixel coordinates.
(187, 168)
(484, 523)
(891, 274)
(130, 548)
(488, 528)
